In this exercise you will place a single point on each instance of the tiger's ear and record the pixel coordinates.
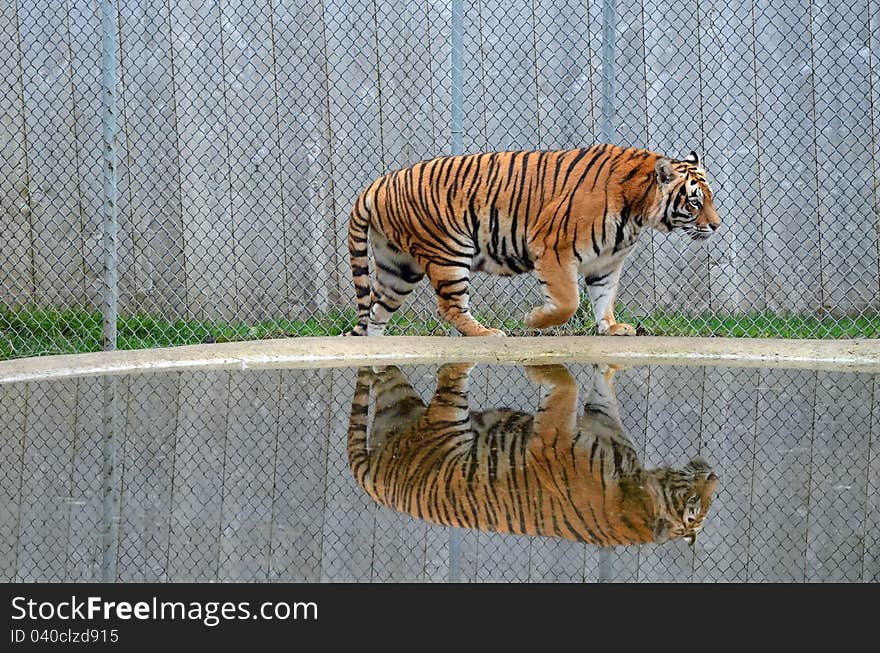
(665, 172)
(693, 158)
(662, 529)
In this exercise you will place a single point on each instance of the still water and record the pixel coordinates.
(558, 473)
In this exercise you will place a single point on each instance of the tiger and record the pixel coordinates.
(556, 213)
(550, 474)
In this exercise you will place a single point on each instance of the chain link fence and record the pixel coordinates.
(247, 476)
(246, 131)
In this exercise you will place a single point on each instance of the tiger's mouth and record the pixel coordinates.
(698, 233)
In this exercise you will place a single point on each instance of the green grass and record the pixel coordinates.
(39, 332)
(36, 332)
(762, 325)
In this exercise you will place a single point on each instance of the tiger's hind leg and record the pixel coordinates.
(398, 407)
(449, 405)
(558, 278)
(451, 285)
(396, 274)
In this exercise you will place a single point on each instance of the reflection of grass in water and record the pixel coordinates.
(34, 332)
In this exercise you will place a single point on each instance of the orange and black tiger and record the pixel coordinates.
(558, 213)
(551, 473)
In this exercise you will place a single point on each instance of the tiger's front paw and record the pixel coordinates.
(620, 329)
(610, 369)
(456, 369)
(535, 319)
(549, 315)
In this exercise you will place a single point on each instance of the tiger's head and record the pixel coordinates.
(683, 498)
(685, 199)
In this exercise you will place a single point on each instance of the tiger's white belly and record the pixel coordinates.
(595, 266)
(602, 265)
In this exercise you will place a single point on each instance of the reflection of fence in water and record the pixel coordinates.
(244, 476)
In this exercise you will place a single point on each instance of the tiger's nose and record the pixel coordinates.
(714, 225)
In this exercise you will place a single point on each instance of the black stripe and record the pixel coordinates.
(621, 225)
(594, 280)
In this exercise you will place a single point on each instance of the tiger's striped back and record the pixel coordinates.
(558, 213)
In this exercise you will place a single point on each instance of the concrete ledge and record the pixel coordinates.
(844, 355)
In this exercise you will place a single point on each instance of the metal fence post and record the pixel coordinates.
(609, 38)
(606, 565)
(109, 421)
(109, 479)
(109, 46)
(457, 109)
(455, 131)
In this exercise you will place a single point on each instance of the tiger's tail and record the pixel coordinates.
(358, 231)
(358, 454)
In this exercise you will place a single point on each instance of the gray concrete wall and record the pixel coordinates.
(248, 130)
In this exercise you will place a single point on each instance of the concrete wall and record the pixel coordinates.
(248, 129)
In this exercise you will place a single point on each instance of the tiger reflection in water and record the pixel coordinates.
(552, 473)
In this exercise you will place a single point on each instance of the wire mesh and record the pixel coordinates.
(248, 476)
(246, 131)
